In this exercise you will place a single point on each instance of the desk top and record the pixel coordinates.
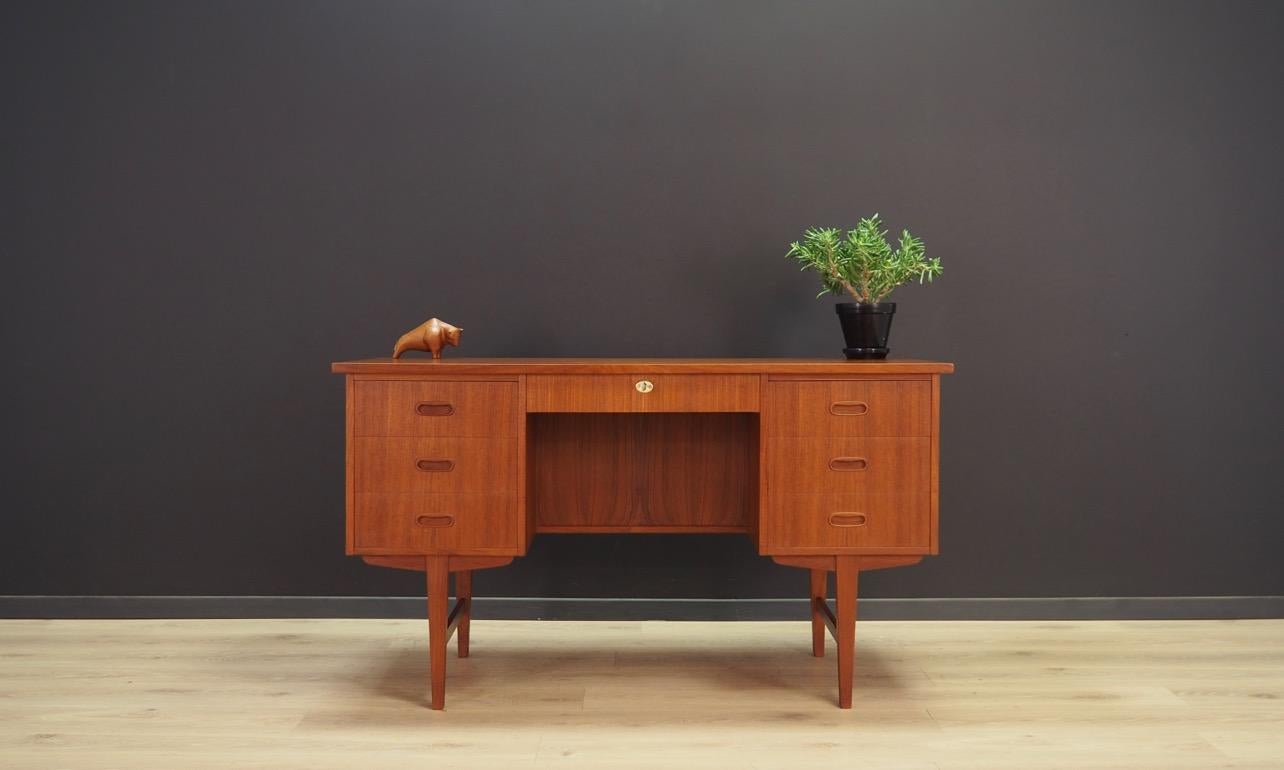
(515, 366)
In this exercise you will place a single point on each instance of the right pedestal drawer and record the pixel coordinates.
(884, 467)
(848, 408)
(847, 466)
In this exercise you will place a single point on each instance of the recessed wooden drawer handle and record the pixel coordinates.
(848, 464)
(435, 409)
(848, 408)
(847, 519)
(435, 465)
(435, 521)
(644, 386)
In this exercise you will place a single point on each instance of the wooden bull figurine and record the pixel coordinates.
(432, 335)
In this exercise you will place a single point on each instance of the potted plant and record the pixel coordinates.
(863, 264)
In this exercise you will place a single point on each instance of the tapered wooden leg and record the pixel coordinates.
(845, 597)
(818, 579)
(438, 571)
(464, 593)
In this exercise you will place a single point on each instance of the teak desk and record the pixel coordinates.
(828, 465)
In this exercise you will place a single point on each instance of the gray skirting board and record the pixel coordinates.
(498, 608)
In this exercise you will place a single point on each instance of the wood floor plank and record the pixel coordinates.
(146, 694)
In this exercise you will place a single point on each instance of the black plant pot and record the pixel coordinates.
(866, 326)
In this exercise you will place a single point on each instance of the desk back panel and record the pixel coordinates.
(650, 472)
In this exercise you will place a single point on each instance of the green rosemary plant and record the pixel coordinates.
(861, 262)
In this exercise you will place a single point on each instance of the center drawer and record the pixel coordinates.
(642, 393)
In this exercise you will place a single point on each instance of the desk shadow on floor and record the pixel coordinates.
(659, 682)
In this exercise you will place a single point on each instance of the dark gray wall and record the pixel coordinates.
(203, 204)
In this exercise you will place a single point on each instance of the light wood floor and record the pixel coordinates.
(351, 694)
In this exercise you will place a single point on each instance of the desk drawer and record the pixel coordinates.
(435, 464)
(642, 393)
(849, 408)
(484, 409)
(410, 523)
(880, 467)
(852, 520)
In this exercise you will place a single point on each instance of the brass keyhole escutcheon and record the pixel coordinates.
(644, 386)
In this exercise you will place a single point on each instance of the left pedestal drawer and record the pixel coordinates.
(434, 467)
(476, 409)
(408, 522)
(435, 464)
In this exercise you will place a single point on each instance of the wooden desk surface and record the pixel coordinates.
(513, 366)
